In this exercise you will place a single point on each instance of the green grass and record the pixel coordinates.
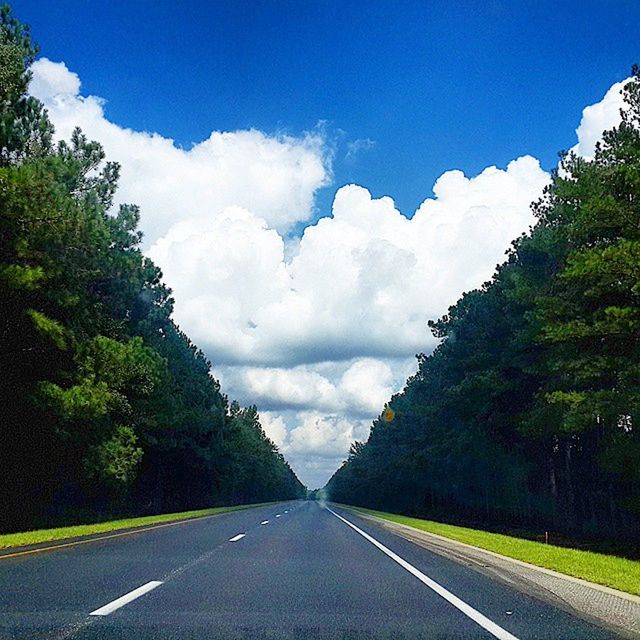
(610, 571)
(25, 538)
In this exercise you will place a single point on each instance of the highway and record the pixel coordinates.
(294, 570)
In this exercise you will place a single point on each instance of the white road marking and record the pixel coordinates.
(238, 537)
(265, 522)
(125, 599)
(468, 610)
(279, 515)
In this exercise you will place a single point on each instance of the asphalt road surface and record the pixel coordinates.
(292, 570)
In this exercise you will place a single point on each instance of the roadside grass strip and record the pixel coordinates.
(26, 538)
(607, 570)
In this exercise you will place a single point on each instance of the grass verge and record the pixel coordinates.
(26, 538)
(610, 571)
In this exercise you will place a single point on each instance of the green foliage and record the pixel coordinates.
(527, 412)
(106, 404)
(115, 460)
(84, 401)
(129, 367)
(24, 127)
(52, 329)
(19, 276)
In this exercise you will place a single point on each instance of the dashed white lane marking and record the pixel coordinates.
(238, 537)
(468, 610)
(279, 515)
(125, 599)
(265, 522)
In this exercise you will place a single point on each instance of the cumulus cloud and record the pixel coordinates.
(599, 117)
(357, 388)
(289, 388)
(363, 282)
(317, 330)
(319, 443)
(52, 79)
(274, 427)
(275, 176)
(366, 385)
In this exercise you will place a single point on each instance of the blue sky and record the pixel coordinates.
(436, 85)
(274, 107)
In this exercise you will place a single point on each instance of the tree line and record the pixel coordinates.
(106, 406)
(527, 413)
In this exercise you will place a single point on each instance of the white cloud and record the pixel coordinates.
(322, 435)
(366, 385)
(275, 177)
(289, 388)
(319, 442)
(275, 427)
(599, 117)
(356, 388)
(52, 79)
(363, 282)
(319, 330)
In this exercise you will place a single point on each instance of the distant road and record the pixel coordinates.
(291, 571)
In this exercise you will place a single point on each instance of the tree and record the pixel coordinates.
(526, 414)
(106, 405)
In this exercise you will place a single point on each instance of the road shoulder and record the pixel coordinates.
(602, 605)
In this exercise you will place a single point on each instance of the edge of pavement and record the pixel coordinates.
(52, 545)
(615, 609)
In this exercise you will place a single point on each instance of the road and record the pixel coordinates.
(293, 570)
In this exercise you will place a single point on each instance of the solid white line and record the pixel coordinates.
(125, 599)
(238, 537)
(468, 610)
(265, 522)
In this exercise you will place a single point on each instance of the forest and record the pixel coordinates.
(107, 407)
(525, 417)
